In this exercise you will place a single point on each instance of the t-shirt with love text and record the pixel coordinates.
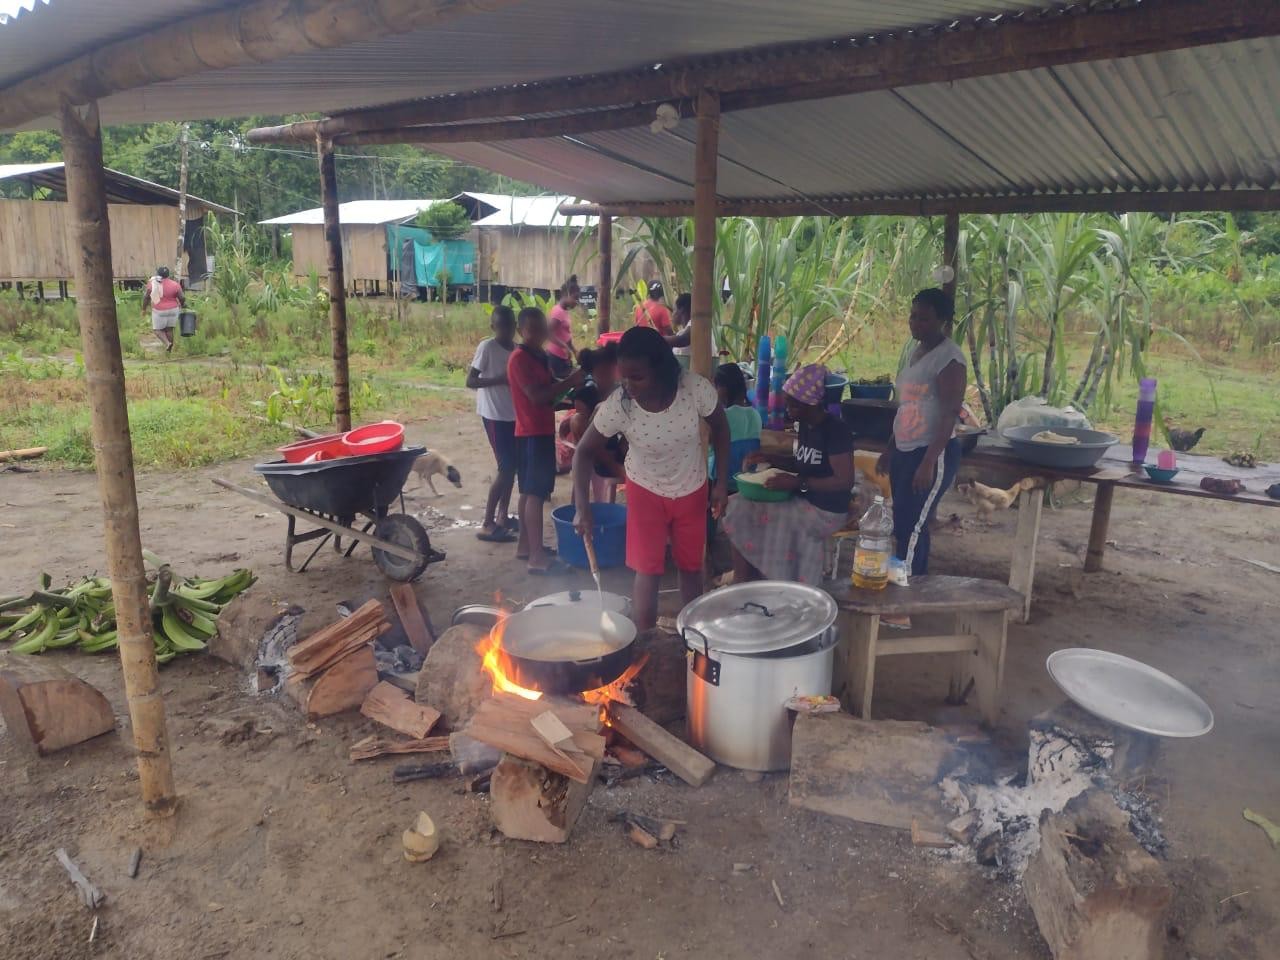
(814, 448)
(664, 449)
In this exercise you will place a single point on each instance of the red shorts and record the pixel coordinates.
(654, 521)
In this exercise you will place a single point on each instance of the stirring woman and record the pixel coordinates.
(923, 454)
(787, 540)
(659, 411)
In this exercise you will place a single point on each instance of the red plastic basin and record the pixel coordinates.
(329, 446)
(613, 336)
(374, 438)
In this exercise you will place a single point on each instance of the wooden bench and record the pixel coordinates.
(979, 610)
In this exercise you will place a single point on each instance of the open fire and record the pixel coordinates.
(495, 662)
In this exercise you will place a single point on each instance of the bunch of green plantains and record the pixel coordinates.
(184, 614)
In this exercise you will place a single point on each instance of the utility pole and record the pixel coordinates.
(182, 202)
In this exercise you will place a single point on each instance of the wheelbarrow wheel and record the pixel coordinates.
(404, 531)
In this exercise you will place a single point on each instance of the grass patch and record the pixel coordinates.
(165, 432)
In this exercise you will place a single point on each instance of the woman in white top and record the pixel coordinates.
(923, 454)
(660, 411)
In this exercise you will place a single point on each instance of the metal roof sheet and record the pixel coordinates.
(1196, 119)
(357, 212)
(121, 187)
(512, 211)
(515, 43)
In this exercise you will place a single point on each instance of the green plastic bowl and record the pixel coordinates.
(756, 491)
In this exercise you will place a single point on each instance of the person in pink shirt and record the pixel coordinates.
(165, 299)
(560, 350)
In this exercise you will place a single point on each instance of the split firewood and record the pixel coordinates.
(343, 686)
(374, 746)
(658, 827)
(504, 721)
(392, 707)
(333, 642)
(921, 837)
(672, 752)
(559, 738)
(90, 895)
(963, 828)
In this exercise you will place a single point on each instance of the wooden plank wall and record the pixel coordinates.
(364, 252)
(34, 244)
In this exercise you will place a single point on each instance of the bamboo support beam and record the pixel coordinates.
(788, 73)
(950, 240)
(113, 454)
(604, 295)
(337, 285)
(706, 157)
(1155, 201)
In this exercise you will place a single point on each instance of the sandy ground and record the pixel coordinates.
(283, 849)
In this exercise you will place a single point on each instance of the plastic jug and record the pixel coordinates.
(875, 546)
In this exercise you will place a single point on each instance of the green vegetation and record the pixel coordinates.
(444, 220)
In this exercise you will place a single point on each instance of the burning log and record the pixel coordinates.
(672, 752)
(1095, 892)
(530, 802)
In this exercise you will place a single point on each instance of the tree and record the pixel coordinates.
(444, 220)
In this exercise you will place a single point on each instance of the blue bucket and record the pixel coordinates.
(609, 533)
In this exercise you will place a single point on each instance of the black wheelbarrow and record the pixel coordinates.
(333, 493)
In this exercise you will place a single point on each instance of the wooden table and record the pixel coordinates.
(995, 464)
(979, 610)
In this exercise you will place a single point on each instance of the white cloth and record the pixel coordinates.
(493, 403)
(664, 449)
(164, 319)
(919, 407)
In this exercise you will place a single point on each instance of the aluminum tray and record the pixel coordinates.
(1129, 693)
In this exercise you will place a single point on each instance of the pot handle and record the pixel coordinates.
(706, 646)
(759, 606)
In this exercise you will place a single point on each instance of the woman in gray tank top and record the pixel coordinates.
(923, 455)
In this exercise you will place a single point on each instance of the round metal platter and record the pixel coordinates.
(1129, 693)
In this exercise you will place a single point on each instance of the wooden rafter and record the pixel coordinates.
(1184, 201)
(809, 71)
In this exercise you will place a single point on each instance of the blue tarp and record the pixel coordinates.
(457, 257)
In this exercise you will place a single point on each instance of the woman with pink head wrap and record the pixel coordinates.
(787, 540)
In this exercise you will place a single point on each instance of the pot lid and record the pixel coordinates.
(585, 598)
(759, 617)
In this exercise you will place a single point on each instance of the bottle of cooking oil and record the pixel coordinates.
(875, 545)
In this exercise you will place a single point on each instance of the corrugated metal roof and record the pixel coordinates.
(510, 211)
(1196, 119)
(516, 43)
(356, 212)
(121, 187)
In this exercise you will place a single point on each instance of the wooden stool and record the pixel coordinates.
(979, 609)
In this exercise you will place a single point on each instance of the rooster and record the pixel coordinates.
(1184, 440)
(990, 499)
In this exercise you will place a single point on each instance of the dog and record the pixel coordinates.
(432, 463)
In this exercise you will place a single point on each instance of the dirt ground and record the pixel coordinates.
(284, 849)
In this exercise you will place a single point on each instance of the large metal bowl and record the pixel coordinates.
(1129, 693)
(1093, 444)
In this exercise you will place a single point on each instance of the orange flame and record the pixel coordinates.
(494, 662)
(616, 691)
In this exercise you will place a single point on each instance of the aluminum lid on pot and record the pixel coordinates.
(759, 617)
(613, 602)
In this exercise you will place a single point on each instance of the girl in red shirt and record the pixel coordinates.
(653, 312)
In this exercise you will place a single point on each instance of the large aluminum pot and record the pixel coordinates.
(752, 647)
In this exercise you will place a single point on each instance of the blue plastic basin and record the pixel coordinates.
(609, 533)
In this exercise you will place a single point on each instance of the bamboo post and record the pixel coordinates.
(337, 284)
(706, 154)
(604, 296)
(182, 203)
(113, 454)
(950, 240)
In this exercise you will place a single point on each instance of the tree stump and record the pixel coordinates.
(451, 680)
(1096, 894)
(530, 802)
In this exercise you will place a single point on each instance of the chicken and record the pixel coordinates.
(1183, 440)
(990, 499)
